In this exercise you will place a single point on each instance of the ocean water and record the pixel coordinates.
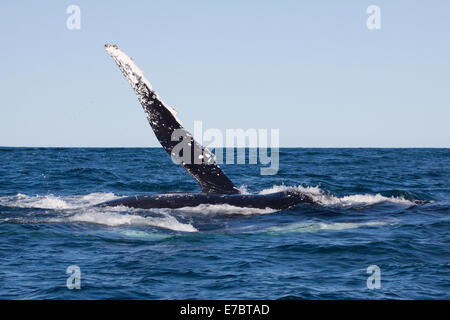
(383, 207)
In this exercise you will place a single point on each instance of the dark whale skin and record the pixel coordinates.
(276, 200)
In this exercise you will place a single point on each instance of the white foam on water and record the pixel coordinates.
(225, 209)
(322, 198)
(51, 201)
(144, 235)
(42, 202)
(94, 198)
(243, 189)
(45, 202)
(319, 226)
(79, 209)
(116, 219)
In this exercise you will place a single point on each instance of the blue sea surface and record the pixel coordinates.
(384, 207)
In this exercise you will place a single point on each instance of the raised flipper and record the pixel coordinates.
(164, 122)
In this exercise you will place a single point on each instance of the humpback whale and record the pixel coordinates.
(216, 187)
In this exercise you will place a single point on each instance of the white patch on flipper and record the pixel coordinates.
(135, 75)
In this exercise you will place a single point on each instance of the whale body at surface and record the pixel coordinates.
(276, 200)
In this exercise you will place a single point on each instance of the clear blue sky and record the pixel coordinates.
(310, 68)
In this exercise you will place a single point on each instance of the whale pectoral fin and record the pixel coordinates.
(164, 122)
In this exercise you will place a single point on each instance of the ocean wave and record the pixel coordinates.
(324, 198)
(116, 219)
(319, 226)
(78, 209)
(51, 201)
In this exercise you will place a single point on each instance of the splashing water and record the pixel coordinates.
(327, 199)
(79, 209)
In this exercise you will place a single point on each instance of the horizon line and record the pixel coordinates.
(225, 147)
